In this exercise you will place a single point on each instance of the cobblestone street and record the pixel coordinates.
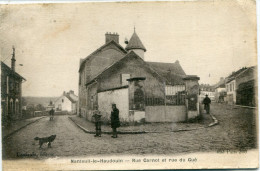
(236, 130)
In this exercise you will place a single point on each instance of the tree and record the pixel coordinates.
(40, 107)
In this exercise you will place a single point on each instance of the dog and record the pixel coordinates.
(47, 140)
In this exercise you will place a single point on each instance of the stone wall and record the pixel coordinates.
(165, 113)
(120, 98)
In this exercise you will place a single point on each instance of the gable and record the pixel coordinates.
(131, 60)
(110, 45)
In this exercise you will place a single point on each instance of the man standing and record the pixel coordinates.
(206, 103)
(51, 114)
(97, 118)
(115, 123)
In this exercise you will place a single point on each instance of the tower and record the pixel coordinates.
(136, 45)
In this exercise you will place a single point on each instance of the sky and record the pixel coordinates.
(209, 38)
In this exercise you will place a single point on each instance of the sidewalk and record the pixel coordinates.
(18, 125)
(89, 127)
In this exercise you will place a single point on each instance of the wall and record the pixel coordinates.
(152, 85)
(211, 95)
(94, 65)
(231, 92)
(120, 98)
(65, 105)
(165, 113)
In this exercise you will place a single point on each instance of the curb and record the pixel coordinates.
(250, 107)
(145, 132)
(105, 132)
(215, 122)
(10, 134)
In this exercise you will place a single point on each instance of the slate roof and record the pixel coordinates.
(70, 98)
(172, 72)
(135, 43)
(9, 70)
(233, 75)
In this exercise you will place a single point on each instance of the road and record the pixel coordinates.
(235, 131)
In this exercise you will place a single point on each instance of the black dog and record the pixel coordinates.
(46, 140)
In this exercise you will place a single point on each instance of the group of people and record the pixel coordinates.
(115, 123)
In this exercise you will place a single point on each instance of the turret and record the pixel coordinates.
(135, 45)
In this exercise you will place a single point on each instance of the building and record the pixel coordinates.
(231, 86)
(206, 89)
(94, 64)
(67, 102)
(140, 89)
(246, 87)
(220, 91)
(11, 92)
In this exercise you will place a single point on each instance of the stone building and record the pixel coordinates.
(125, 78)
(246, 87)
(206, 89)
(67, 102)
(231, 86)
(11, 92)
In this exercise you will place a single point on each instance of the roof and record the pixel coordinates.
(168, 74)
(206, 87)
(135, 43)
(131, 54)
(233, 75)
(82, 61)
(4, 66)
(172, 72)
(250, 68)
(70, 98)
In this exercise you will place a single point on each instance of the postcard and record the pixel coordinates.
(129, 85)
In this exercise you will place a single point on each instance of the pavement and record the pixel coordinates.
(236, 129)
(18, 125)
(89, 127)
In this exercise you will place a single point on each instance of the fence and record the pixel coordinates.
(170, 100)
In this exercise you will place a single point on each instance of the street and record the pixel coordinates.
(236, 130)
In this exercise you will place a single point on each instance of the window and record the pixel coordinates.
(124, 78)
(62, 100)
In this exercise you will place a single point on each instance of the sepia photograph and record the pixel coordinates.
(129, 85)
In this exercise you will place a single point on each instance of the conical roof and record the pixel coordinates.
(135, 43)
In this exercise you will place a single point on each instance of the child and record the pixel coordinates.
(97, 118)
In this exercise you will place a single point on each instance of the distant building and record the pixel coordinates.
(11, 91)
(206, 89)
(231, 86)
(67, 102)
(246, 87)
(50, 106)
(220, 91)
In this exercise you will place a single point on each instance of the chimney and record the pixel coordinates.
(13, 60)
(64, 93)
(112, 36)
(71, 92)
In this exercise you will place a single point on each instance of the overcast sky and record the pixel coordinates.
(209, 38)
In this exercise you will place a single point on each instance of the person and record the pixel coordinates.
(206, 103)
(115, 123)
(97, 118)
(51, 114)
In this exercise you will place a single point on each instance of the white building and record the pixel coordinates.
(206, 89)
(67, 102)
